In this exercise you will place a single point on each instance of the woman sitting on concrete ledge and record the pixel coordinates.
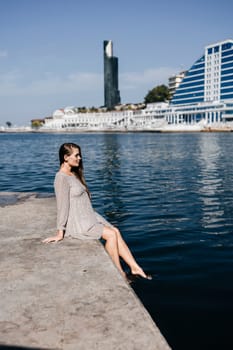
(76, 216)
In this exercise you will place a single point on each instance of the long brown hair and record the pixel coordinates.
(67, 149)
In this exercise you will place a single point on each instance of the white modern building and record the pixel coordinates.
(174, 82)
(115, 120)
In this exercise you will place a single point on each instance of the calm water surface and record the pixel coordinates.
(172, 197)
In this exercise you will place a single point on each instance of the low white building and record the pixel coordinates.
(156, 116)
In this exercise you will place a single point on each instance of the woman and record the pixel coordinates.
(76, 216)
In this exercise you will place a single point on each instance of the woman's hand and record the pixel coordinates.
(57, 238)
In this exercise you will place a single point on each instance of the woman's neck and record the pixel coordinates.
(65, 168)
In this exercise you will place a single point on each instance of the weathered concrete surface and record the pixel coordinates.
(65, 295)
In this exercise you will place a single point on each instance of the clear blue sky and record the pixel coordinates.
(51, 51)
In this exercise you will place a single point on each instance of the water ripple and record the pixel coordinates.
(172, 197)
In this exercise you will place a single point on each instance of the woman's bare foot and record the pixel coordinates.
(140, 273)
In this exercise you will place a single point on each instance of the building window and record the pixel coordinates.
(227, 59)
(209, 51)
(226, 46)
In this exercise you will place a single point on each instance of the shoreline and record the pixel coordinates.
(118, 131)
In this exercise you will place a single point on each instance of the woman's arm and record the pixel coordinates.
(62, 192)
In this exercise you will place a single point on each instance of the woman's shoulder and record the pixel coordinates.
(59, 175)
(62, 174)
(61, 178)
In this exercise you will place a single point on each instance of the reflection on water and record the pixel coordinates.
(213, 185)
(104, 177)
(210, 183)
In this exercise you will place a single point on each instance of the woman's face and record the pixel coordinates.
(74, 158)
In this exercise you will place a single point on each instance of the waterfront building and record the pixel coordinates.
(206, 91)
(204, 115)
(210, 78)
(203, 100)
(111, 91)
(174, 82)
(128, 119)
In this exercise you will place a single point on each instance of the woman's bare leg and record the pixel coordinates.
(116, 248)
(111, 246)
(127, 256)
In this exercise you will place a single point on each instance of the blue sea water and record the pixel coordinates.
(172, 197)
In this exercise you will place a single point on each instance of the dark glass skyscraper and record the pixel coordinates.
(111, 92)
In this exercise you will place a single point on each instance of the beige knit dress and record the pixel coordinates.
(75, 214)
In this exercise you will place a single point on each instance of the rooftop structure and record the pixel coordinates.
(174, 82)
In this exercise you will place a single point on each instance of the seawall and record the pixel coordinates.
(173, 128)
(65, 295)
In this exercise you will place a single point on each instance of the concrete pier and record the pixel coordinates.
(65, 295)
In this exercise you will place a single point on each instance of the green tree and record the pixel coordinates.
(82, 109)
(159, 93)
(36, 123)
(93, 109)
(8, 124)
